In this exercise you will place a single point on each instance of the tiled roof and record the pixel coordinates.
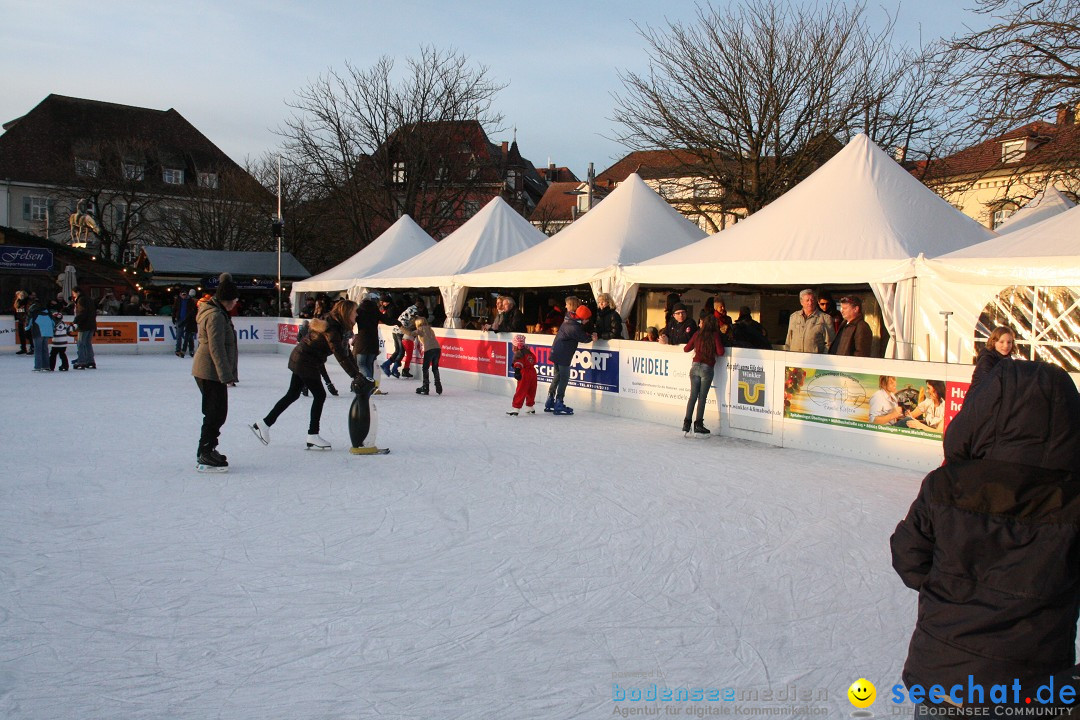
(182, 261)
(556, 204)
(42, 146)
(558, 174)
(651, 165)
(1052, 143)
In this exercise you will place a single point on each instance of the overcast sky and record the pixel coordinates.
(229, 66)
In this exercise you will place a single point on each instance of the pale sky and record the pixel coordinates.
(229, 66)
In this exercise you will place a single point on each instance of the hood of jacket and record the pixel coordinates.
(1024, 412)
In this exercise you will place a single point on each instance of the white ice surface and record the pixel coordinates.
(489, 567)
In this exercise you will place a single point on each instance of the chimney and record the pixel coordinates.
(1066, 114)
(505, 148)
(551, 173)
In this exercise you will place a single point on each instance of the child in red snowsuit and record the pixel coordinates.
(525, 373)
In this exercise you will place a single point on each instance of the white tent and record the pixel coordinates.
(1046, 204)
(401, 241)
(967, 281)
(494, 233)
(631, 225)
(860, 218)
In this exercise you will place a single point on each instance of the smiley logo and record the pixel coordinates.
(862, 693)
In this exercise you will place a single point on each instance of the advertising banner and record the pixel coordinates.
(25, 258)
(851, 401)
(590, 369)
(751, 385)
(116, 332)
(488, 357)
(656, 374)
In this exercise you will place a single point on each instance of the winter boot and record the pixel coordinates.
(562, 409)
(686, 425)
(699, 428)
(314, 442)
(549, 404)
(262, 431)
(422, 390)
(331, 389)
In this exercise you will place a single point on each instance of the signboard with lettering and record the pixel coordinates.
(593, 369)
(25, 258)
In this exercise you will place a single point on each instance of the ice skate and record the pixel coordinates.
(406, 374)
(549, 404)
(262, 431)
(530, 410)
(211, 461)
(562, 408)
(314, 442)
(438, 387)
(513, 411)
(422, 390)
(686, 426)
(700, 429)
(331, 389)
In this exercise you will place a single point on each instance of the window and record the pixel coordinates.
(471, 208)
(442, 173)
(398, 174)
(171, 218)
(122, 213)
(208, 180)
(1014, 150)
(1001, 216)
(86, 168)
(172, 176)
(135, 172)
(131, 254)
(35, 208)
(512, 179)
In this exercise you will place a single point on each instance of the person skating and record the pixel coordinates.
(214, 367)
(525, 374)
(562, 354)
(429, 344)
(325, 337)
(706, 346)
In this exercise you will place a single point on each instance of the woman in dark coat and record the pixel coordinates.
(365, 344)
(999, 346)
(325, 337)
(992, 543)
(607, 324)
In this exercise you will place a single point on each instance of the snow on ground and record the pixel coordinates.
(489, 567)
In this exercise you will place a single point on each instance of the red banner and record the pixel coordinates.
(954, 399)
(478, 356)
(286, 332)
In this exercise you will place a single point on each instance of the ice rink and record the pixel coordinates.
(489, 567)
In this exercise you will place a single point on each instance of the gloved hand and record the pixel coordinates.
(361, 384)
(517, 373)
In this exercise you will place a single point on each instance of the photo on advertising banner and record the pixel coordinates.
(590, 369)
(908, 406)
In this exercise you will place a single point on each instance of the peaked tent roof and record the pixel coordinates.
(494, 233)
(1047, 253)
(401, 241)
(860, 217)
(1046, 204)
(631, 224)
(211, 263)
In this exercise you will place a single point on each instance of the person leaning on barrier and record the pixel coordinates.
(992, 542)
(607, 323)
(809, 329)
(855, 336)
(680, 328)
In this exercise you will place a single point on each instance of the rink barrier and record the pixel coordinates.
(793, 400)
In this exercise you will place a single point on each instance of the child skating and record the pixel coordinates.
(525, 374)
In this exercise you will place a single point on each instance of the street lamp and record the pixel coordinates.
(278, 230)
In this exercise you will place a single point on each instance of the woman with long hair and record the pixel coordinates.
(931, 410)
(999, 346)
(707, 348)
(325, 337)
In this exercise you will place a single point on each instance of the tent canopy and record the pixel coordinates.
(1046, 253)
(860, 217)
(171, 261)
(631, 225)
(494, 233)
(401, 241)
(1046, 204)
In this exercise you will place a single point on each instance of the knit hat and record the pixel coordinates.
(226, 288)
(677, 307)
(583, 313)
(518, 342)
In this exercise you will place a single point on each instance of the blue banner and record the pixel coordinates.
(25, 258)
(592, 369)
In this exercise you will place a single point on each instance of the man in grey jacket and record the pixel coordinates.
(809, 329)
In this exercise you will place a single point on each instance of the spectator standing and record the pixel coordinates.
(524, 364)
(41, 329)
(809, 329)
(706, 347)
(214, 367)
(509, 319)
(855, 335)
(651, 334)
(992, 540)
(553, 318)
(748, 332)
(22, 334)
(183, 316)
(429, 345)
(86, 324)
(679, 328)
(828, 306)
(608, 323)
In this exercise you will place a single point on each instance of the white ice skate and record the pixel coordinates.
(314, 442)
(262, 431)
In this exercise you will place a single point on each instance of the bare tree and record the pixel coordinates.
(373, 147)
(763, 92)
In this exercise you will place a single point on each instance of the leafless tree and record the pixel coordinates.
(373, 147)
(765, 91)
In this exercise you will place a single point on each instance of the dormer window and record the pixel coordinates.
(398, 174)
(208, 180)
(86, 168)
(1015, 150)
(172, 176)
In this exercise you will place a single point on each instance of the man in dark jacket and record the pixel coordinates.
(748, 332)
(509, 319)
(183, 316)
(680, 328)
(563, 348)
(855, 336)
(86, 322)
(992, 543)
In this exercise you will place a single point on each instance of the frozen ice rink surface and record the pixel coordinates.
(489, 567)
